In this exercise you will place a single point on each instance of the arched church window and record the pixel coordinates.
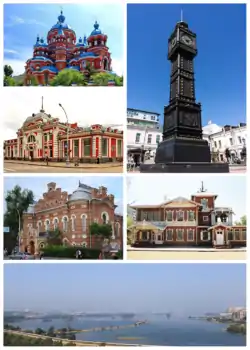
(31, 138)
(104, 218)
(47, 225)
(55, 224)
(73, 223)
(84, 223)
(65, 224)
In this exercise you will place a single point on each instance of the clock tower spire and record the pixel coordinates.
(183, 149)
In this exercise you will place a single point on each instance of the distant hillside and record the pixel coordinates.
(19, 78)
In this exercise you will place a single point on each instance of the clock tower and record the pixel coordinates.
(183, 148)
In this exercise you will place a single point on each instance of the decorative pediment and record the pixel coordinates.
(180, 202)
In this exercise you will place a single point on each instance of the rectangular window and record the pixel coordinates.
(190, 235)
(86, 147)
(158, 137)
(149, 138)
(50, 137)
(239, 138)
(179, 235)
(191, 216)
(219, 144)
(230, 235)
(169, 216)
(205, 218)
(169, 235)
(76, 148)
(204, 203)
(205, 236)
(215, 144)
(137, 138)
(104, 147)
(119, 148)
(237, 235)
(45, 137)
(243, 235)
(180, 215)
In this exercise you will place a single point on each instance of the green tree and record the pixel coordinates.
(242, 222)
(9, 81)
(51, 332)
(90, 71)
(101, 79)
(17, 202)
(54, 237)
(130, 221)
(69, 77)
(104, 230)
(40, 331)
(8, 71)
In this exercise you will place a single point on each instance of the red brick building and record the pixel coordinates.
(72, 215)
(187, 222)
(42, 135)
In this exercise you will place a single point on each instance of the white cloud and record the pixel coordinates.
(117, 66)
(84, 105)
(16, 20)
(231, 190)
(17, 65)
(10, 51)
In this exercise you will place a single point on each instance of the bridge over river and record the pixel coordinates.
(65, 341)
(101, 329)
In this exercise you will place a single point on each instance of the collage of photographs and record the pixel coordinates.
(124, 133)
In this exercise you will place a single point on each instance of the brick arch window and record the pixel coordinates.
(73, 222)
(65, 223)
(47, 225)
(84, 222)
(39, 225)
(105, 217)
(117, 229)
(56, 223)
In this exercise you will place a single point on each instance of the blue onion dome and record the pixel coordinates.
(61, 18)
(60, 23)
(96, 30)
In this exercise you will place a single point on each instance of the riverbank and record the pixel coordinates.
(240, 328)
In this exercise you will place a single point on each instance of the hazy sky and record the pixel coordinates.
(107, 107)
(179, 288)
(231, 190)
(38, 185)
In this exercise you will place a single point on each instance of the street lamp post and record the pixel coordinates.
(19, 228)
(67, 159)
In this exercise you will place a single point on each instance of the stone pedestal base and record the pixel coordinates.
(185, 168)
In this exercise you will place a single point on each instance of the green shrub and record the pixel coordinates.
(70, 252)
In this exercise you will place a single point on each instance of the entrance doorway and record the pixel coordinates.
(113, 148)
(32, 248)
(31, 154)
(219, 238)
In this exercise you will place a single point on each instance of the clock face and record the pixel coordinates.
(187, 40)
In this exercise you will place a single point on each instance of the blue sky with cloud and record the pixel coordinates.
(22, 23)
(38, 185)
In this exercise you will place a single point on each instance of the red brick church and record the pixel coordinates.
(72, 214)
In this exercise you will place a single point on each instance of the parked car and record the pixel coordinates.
(22, 256)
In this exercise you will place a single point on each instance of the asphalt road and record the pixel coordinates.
(26, 168)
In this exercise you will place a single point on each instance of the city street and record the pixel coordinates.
(27, 167)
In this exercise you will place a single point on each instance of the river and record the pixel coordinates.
(158, 331)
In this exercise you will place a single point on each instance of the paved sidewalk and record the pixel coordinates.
(63, 164)
(176, 249)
